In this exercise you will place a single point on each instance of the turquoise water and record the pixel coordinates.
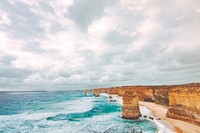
(64, 112)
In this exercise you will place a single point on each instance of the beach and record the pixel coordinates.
(165, 124)
(147, 111)
(159, 111)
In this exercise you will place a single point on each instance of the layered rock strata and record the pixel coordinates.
(185, 104)
(184, 100)
(96, 92)
(130, 107)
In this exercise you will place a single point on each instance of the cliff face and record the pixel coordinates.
(185, 104)
(144, 93)
(157, 94)
(184, 100)
(114, 90)
(161, 94)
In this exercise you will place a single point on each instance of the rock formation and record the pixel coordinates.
(130, 107)
(184, 100)
(161, 94)
(96, 92)
(114, 90)
(185, 104)
(87, 91)
(121, 92)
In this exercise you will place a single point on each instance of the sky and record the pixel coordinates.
(82, 44)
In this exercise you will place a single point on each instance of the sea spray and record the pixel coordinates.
(67, 111)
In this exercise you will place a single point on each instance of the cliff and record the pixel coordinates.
(157, 94)
(161, 94)
(114, 90)
(145, 93)
(184, 100)
(185, 104)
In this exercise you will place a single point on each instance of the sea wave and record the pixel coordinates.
(95, 113)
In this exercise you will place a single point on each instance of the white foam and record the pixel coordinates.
(114, 97)
(145, 111)
(38, 118)
(104, 94)
(75, 106)
(162, 128)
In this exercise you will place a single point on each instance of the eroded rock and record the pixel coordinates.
(185, 104)
(130, 108)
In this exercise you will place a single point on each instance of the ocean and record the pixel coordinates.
(66, 112)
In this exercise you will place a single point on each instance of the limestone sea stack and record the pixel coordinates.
(96, 92)
(85, 93)
(130, 107)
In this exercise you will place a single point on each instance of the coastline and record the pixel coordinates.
(165, 124)
(159, 111)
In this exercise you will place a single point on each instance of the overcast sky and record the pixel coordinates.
(78, 44)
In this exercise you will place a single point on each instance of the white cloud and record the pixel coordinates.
(4, 18)
(34, 78)
(100, 27)
(63, 44)
(7, 43)
(60, 6)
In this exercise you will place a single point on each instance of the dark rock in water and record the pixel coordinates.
(110, 100)
(145, 116)
(151, 118)
(110, 96)
(133, 131)
(158, 118)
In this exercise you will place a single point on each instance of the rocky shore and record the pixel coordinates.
(159, 111)
(182, 101)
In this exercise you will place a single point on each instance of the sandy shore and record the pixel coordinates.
(166, 125)
(159, 111)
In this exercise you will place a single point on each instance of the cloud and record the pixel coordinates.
(80, 44)
(4, 18)
(10, 72)
(84, 12)
(118, 38)
(7, 59)
(26, 23)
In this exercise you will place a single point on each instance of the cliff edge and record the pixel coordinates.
(185, 104)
